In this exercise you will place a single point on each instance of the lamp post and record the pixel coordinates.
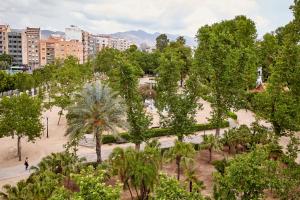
(47, 127)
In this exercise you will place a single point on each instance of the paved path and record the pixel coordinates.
(90, 155)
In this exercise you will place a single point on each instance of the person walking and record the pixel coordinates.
(26, 163)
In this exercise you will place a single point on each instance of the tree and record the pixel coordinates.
(170, 188)
(23, 81)
(137, 169)
(191, 176)
(137, 118)
(185, 54)
(226, 50)
(162, 42)
(211, 143)
(97, 108)
(267, 50)
(176, 107)
(246, 177)
(66, 81)
(180, 151)
(106, 60)
(5, 61)
(92, 186)
(20, 117)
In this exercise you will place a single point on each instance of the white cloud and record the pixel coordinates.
(104, 16)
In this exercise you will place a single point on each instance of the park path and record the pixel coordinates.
(18, 172)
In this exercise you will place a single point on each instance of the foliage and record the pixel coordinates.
(246, 177)
(97, 108)
(137, 169)
(226, 50)
(162, 42)
(212, 143)
(5, 61)
(170, 188)
(126, 83)
(180, 152)
(20, 117)
(92, 186)
(37, 186)
(158, 132)
(176, 108)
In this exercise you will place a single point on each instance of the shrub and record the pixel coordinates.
(157, 132)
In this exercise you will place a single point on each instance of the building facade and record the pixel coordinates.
(73, 33)
(15, 47)
(33, 36)
(89, 46)
(58, 48)
(4, 30)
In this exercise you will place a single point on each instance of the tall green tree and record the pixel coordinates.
(67, 79)
(137, 118)
(279, 104)
(20, 117)
(176, 106)
(162, 42)
(97, 109)
(226, 63)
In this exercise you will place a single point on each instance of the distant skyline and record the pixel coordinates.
(182, 17)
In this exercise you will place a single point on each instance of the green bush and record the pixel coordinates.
(158, 132)
(107, 139)
(232, 115)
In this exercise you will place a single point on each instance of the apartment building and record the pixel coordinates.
(47, 51)
(73, 33)
(4, 30)
(58, 48)
(89, 45)
(17, 47)
(33, 36)
(103, 41)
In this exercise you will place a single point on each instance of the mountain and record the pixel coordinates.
(141, 36)
(137, 37)
(47, 33)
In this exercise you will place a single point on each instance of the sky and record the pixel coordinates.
(182, 17)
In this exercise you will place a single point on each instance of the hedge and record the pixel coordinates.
(157, 132)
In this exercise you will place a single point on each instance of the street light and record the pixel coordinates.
(47, 127)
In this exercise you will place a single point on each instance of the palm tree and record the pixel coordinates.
(97, 108)
(179, 151)
(211, 143)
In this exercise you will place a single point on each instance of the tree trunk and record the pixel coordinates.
(191, 186)
(178, 159)
(210, 154)
(19, 148)
(98, 146)
(60, 114)
(137, 146)
(129, 190)
(218, 131)
(181, 80)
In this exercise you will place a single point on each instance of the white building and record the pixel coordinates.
(73, 33)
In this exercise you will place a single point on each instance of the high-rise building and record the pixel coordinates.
(4, 30)
(73, 33)
(33, 36)
(15, 46)
(58, 48)
(47, 49)
(89, 45)
(104, 41)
